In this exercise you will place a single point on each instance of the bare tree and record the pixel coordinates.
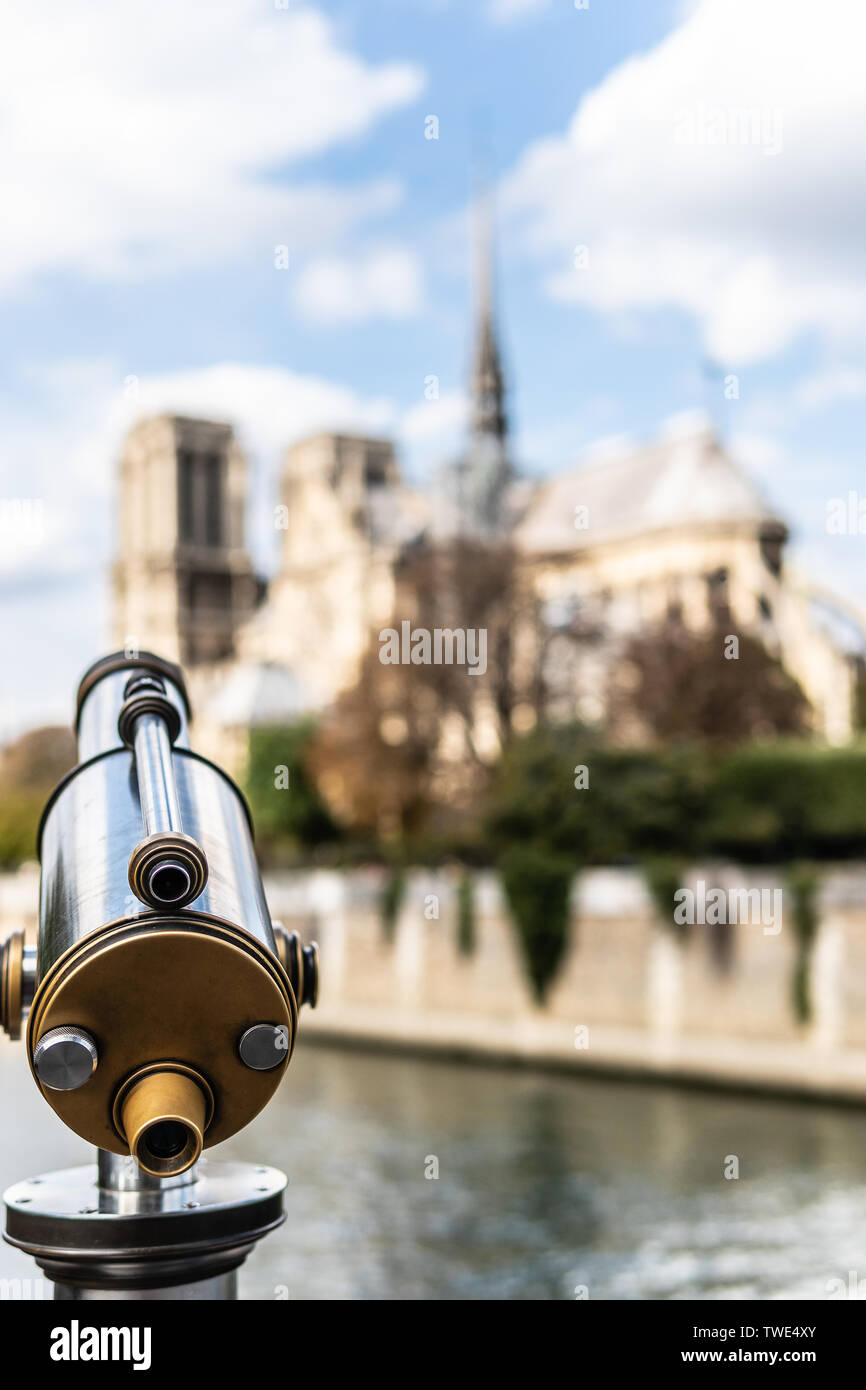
(411, 737)
(713, 685)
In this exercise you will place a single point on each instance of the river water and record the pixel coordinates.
(547, 1187)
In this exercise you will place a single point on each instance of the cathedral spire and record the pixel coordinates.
(471, 491)
(488, 415)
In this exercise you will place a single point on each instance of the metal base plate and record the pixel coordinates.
(82, 1234)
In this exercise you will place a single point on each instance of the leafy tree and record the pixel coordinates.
(30, 768)
(288, 812)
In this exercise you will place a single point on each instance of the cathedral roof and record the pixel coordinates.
(684, 480)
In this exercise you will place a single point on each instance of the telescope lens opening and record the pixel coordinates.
(166, 1139)
(167, 1147)
(169, 883)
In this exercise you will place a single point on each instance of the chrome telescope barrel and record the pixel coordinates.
(164, 1005)
(168, 880)
(167, 868)
(160, 809)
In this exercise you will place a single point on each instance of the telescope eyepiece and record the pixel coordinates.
(164, 1119)
(168, 883)
(168, 871)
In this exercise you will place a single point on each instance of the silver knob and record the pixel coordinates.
(264, 1046)
(65, 1058)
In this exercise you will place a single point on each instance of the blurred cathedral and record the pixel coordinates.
(675, 527)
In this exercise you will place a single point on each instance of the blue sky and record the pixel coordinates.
(153, 158)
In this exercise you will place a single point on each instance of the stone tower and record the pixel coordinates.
(343, 516)
(183, 581)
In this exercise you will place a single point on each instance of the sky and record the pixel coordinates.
(260, 210)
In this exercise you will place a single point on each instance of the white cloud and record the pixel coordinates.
(831, 385)
(721, 174)
(780, 410)
(142, 138)
(431, 419)
(381, 284)
(431, 431)
(506, 11)
(761, 454)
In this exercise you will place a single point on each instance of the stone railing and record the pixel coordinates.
(711, 1003)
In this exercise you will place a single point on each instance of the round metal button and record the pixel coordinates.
(65, 1058)
(264, 1046)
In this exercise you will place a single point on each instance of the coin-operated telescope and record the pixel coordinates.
(161, 1004)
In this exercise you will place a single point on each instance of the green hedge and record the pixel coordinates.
(770, 803)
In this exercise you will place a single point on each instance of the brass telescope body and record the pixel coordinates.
(162, 987)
